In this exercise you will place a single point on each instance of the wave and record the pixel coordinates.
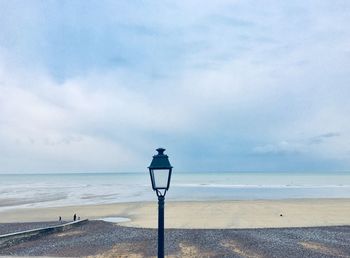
(259, 186)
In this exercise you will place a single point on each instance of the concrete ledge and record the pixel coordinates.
(14, 238)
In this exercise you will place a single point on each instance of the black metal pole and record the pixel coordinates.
(160, 226)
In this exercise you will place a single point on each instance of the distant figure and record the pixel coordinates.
(281, 215)
(59, 219)
(74, 217)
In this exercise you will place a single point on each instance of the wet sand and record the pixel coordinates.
(204, 215)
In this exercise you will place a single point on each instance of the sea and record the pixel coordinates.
(54, 190)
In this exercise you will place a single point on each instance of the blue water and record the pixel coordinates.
(50, 190)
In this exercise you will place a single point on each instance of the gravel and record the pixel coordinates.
(104, 239)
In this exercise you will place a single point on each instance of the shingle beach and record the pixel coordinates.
(104, 239)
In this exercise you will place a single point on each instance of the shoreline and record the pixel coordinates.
(203, 214)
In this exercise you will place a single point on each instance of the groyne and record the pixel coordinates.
(16, 237)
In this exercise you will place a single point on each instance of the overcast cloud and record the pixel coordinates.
(96, 86)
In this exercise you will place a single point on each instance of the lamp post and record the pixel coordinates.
(160, 172)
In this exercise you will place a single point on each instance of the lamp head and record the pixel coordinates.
(160, 171)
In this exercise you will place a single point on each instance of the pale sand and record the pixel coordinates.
(220, 214)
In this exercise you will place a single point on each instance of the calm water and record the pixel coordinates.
(48, 190)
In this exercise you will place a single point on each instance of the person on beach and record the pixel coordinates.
(74, 217)
(59, 219)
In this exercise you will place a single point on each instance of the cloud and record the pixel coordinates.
(282, 147)
(295, 146)
(321, 138)
(221, 84)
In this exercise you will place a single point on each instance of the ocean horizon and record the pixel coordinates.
(55, 190)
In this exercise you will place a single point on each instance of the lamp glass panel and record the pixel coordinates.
(161, 177)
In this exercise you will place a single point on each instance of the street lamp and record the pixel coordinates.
(160, 172)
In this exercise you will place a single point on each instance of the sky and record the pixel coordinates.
(97, 86)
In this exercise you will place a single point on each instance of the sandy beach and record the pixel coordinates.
(205, 215)
(307, 228)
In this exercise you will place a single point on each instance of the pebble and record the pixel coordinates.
(99, 237)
